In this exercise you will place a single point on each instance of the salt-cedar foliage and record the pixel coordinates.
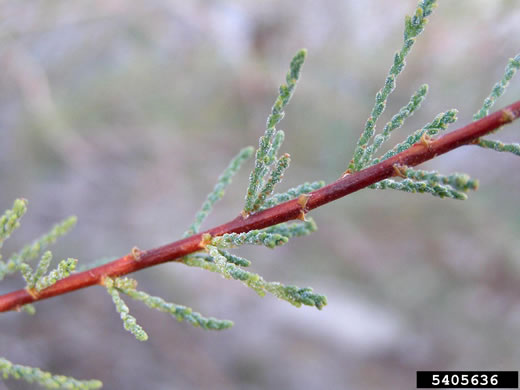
(213, 253)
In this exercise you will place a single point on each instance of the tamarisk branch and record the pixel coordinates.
(293, 209)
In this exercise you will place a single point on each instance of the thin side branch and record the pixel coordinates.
(287, 211)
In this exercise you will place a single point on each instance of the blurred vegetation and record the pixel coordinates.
(119, 113)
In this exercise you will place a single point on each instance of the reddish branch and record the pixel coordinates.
(283, 212)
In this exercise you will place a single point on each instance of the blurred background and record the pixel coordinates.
(124, 114)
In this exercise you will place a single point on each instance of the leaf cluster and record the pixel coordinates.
(36, 281)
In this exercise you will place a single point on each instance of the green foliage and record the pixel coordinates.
(237, 260)
(39, 282)
(458, 181)
(181, 313)
(452, 186)
(414, 25)
(270, 237)
(218, 192)
(267, 173)
(43, 266)
(440, 123)
(255, 237)
(512, 66)
(65, 268)
(36, 281)
(409, 185)
(11, 219)
(43, 378)
(29, 309)
(270, 142)
(290, 230)
(499, 146)
(129, 322)
(292, 193)
(364, 152)
(396, 122)
(218, 263)
(276, 176)
(33, 250)
(499, 88)
(278, 139)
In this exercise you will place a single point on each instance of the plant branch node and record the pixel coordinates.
(137, 253)
(426, 140)
(32, 292)
(400, 170)
(508, 115)
(205, 240)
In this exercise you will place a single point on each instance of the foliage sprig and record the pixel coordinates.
(414, 25)
(297, 296)
(499, 146)
(32, 278)
(276, 176)
(218, 192)
(439, 123)
(128, 286)
(44, 378)
(409, 185)
(33, 250)
(10, 220)
(129, 321)
(459, 181)
(498, 90)
(270, 142)
(396, 122)
(292, 193)
(36, 281)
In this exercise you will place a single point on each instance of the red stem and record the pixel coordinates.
(281, 213)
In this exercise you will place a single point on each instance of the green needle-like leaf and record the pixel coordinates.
(218, 192)
(270, 142)
(45, 379)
